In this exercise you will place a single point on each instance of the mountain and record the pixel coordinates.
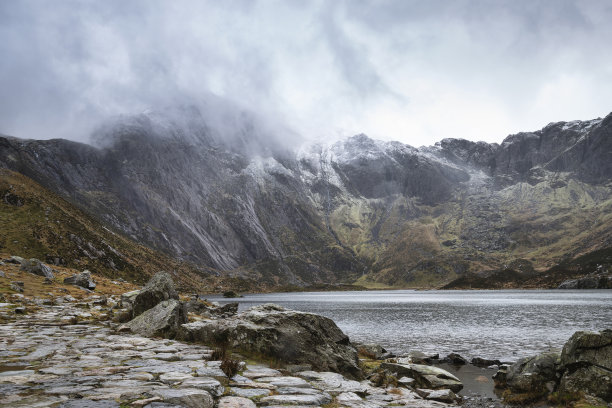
(358, 210)
(37, 223)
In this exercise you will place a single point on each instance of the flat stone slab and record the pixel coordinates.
(347, 396)
(250, 392)
(235, 402)
(300, 399)
(209, 384)
(188, 397)
(285, 381)
(258, 372)
(82, 403)
(210, 372)
(296, 390)
(173, 377)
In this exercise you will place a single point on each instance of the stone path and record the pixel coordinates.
(50, 358)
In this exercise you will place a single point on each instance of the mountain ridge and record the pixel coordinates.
(379, 213)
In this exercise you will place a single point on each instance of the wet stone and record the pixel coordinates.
(250, 392)
(235, 402)
(259, 371)
(188, 397)
(301, 399)
(173, 377)
(209, 384)
(285, 381)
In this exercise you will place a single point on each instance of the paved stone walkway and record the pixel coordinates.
(49, 358)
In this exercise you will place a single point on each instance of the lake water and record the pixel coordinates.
(504, 325)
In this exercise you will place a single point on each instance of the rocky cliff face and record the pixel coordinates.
(380, 212)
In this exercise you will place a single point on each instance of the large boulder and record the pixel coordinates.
(36, 267)
(82, 280)
(159, 288)
(163, 320)
(537, 374)
(425, 376)
(586, 363)
(290, 336)
(201, 308)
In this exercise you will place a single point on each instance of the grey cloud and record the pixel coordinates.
(416, 71)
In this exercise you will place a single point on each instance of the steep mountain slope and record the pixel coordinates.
(36, 223)
(381, 213)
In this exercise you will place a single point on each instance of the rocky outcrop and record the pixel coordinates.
(584, 367)
(426, 376)
(536, 374)
(162, 320)
(586, 362)
(290, 336)
(36, 267)
(82, 280)
(588, 282)
(159, 288)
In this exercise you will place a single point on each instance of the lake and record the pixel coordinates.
(505, 325)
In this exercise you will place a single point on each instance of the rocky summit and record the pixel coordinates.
(459, 213)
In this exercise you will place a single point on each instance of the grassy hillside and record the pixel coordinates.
(36, 223)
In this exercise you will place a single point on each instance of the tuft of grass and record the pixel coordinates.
(523, 398)
(230, 367)
(564, 398)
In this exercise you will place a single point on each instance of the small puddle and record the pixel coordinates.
(477, 382)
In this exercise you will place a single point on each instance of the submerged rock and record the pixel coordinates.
(426, 376)
(162, 320)
(159, 288)
(288, 335)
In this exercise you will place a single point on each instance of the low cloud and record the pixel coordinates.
(405, 70)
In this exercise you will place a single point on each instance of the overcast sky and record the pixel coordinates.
(414, 71)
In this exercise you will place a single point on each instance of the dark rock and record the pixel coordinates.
(455, 359)
(17, 286)
(82, 279)
(290, 336)
(20, 310)
(163, 320)
(159, 288)
(533, 374)
(48, 281)
(201, 308)
(230, 294)
(484, 362)
(425, 376)
(586, 364)
(36, 267)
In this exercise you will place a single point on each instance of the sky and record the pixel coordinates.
(412, 71)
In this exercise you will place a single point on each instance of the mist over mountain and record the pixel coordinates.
(260, 204)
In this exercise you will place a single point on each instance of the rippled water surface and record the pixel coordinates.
(495, 324)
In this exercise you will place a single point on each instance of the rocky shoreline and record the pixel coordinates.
(150, 348)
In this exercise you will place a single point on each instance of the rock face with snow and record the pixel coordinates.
(332, 213)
